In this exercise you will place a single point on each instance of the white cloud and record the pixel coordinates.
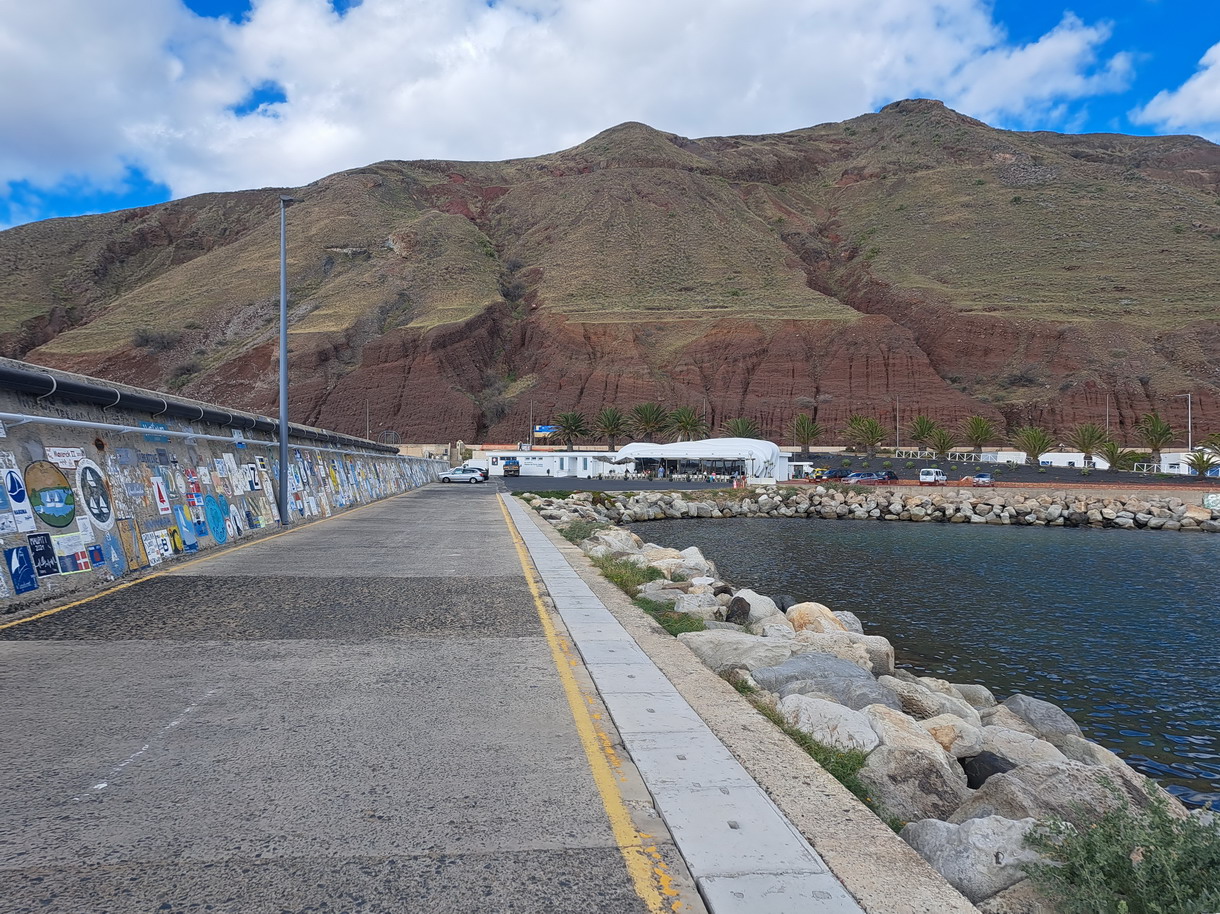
(1194, 106)
(112, 82)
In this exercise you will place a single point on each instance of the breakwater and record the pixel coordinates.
(1169, 513)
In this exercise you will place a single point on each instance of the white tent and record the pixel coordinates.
(758, 458)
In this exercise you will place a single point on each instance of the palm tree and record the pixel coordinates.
(921, 429)
(649, 419)
(610, 423)
(1156, 433)
(1202, 462)
(865, 432)
(941, 441)
(1211, 442)
(1112, 453)
(805, 430)
(687, 423)
(741, 428)
(978, 430)
(1034, 441)
(569, 427)
(1087, 439)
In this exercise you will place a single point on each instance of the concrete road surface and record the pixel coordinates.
(361, 715)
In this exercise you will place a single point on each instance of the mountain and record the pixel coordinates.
(914, 260)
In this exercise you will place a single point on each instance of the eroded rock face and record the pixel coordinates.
(721, 650)
(913, 784)
(829, 723)
(980, 857)
(808, 667)
(1069, 791)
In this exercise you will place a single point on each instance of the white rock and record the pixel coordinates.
(760, 606)
(851, 622)
(954, 735)
(922, 703)
(879, 651)
(977, 696)
(980, 857)
(722, 650)
(1019, 748)
(829, 723)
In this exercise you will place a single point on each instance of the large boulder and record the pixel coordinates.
(1070, 791)
(654, 553)
(878, 650)
(856, 694)
(1050, 721)
(922, 703)
(697, 566)
(829, 723)
(894, 728)
(1019, 748)
(977, 696)
(1087, 752)
(760, 606)
(1000, 716)
(805, 666)
(850, 621)
(980, 857)
(913, 784)
(813, 617)
(954, 735)
(737, 611)
(771, 624)
(618, 541)
(722, 650)
(703, 605)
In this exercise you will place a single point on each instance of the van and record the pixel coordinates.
(931, 477)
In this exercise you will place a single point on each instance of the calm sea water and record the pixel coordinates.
(1120, 628)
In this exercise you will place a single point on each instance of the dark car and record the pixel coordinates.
(887, 475)
(838, 473)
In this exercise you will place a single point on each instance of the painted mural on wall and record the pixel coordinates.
(71, 515)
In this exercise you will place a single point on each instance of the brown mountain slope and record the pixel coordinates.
(912, 256)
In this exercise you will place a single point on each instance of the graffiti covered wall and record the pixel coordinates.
(92, 493)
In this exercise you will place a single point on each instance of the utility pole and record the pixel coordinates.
(285, 202)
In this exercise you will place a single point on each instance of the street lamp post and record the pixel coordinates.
(285, 202)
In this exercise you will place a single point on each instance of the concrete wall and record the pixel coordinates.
(93, 493)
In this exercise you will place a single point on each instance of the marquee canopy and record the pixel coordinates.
(761, 458)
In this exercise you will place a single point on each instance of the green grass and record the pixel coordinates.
(580, 530)
(626, 576)
(673, 622)
(1130, 862)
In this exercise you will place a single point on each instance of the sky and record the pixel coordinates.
(110, 104)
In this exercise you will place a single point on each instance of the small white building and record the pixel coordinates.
(579, 464)
(750, 457)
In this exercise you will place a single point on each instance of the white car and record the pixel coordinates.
(463, 474)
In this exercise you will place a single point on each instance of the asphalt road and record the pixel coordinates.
(361, 715)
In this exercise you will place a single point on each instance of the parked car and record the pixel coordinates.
(931, 477)
(837, 473)
(463, 474)
(861, 479)
(888, 476)
(477, 466)
(982, 479)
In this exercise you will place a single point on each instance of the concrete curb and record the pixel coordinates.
(879, 870)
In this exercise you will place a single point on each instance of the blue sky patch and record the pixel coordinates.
(234, 10)
(267, 93)
(21, 201)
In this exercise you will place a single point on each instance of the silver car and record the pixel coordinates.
(463, 474)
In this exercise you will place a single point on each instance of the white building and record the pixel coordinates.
(579, 464)
(751, 457)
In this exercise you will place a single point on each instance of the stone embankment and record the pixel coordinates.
(1056, 509)
(970, 775)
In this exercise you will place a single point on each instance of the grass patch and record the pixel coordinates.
(626, 576)
(580, 530)
(1131, 863)
(673, 622)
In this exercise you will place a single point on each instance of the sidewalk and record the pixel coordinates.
(745, 854)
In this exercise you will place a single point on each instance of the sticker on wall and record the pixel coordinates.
(235, 521)
(5, 593)
(133, 542)
(97, 556)
(8, 523)
(95, 493)
(160, 495)
(205, 477)
(20, 567)
(261, 462)
(157, 425)
(65, 457)
(71, 553)
(199, 519)
(186, 530)
(175, 540)
(116, 556)
(152, 548)
(42, 551)
(222, 468)
(84, 527)
(51, 497)
(19, 500)
(216, 519)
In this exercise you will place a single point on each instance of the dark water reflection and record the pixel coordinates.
(1119, 628)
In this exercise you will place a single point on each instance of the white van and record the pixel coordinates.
(932, 478)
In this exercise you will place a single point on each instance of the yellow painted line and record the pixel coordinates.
(648, 872)
(203, 558)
